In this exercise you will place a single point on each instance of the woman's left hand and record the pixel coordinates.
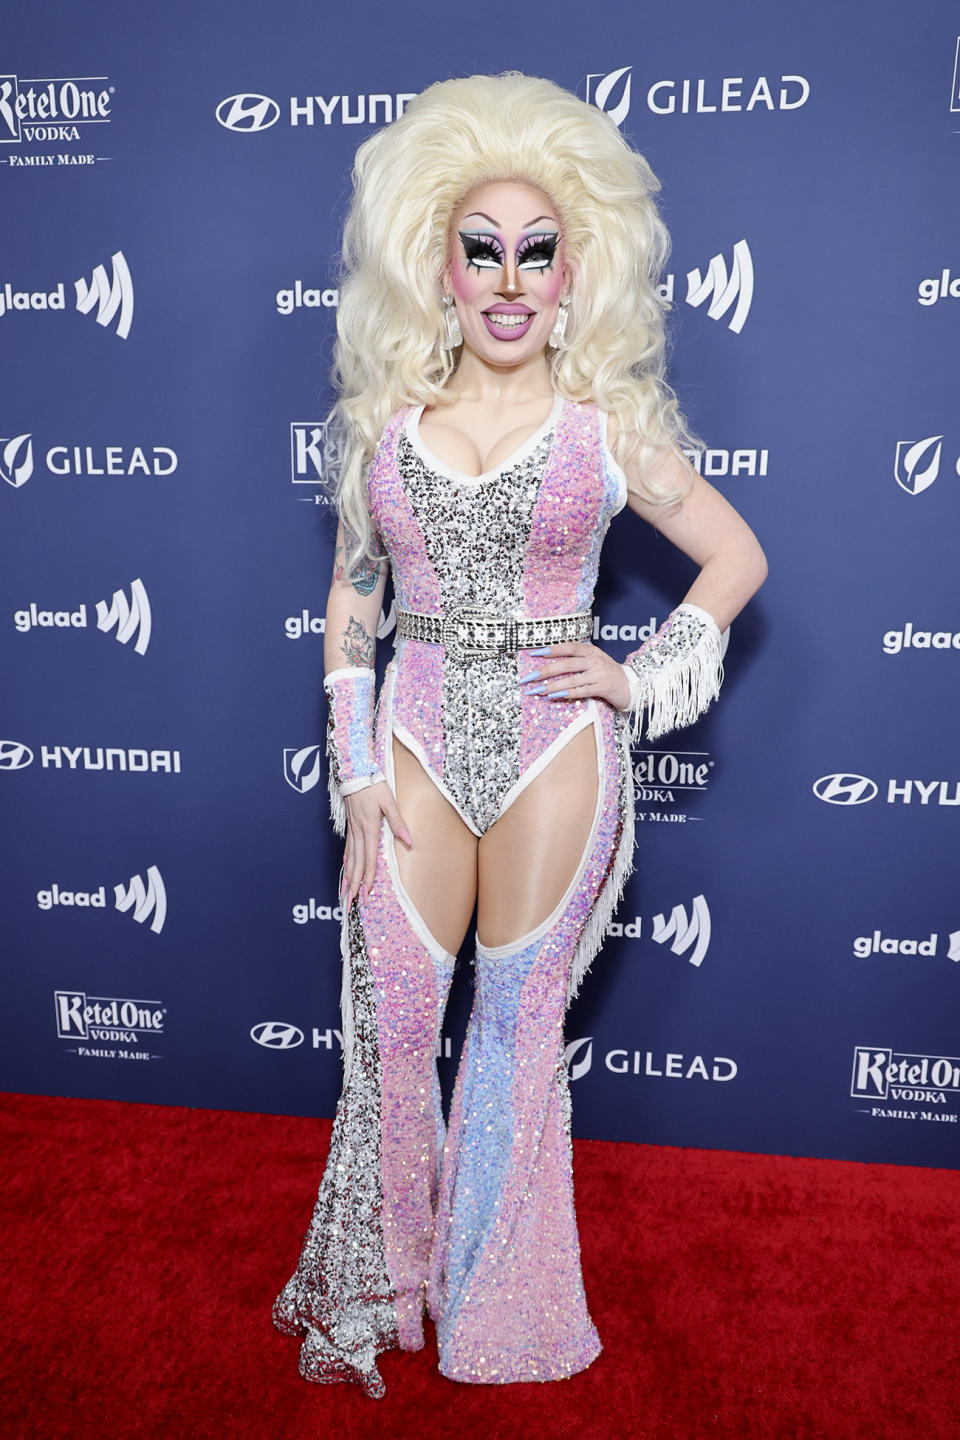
(575, 670)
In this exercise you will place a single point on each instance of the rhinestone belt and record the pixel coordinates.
(480, 634)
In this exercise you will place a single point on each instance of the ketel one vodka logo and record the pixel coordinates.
(129, 619)
(880, 1073)
(105, 1017)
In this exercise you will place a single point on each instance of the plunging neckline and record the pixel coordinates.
(412, 432)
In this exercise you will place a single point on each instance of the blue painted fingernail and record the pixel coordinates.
(558, 694)
(544, 650)
(536, 689)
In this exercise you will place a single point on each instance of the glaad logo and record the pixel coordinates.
(14, 756)
(32, 110)
(110, 298)
(611, 93)
(249, 113)
(16, 460)
(145, 899)
(311, 910)
(301, 297)
(917, 463)
(845, 789)
(910, 639)
(679, 930)
(684, 933)
(296, 626)
(878, 944)
(131, 617)
(301, 768)
(103, 1017)
(130, 620)
(673, 1065)
(277, 1035)
(938, 288)
(881, 1073)
(722, 288)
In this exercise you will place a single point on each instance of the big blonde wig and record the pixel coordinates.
(409, 179)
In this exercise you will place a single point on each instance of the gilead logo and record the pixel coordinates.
(672, 1065)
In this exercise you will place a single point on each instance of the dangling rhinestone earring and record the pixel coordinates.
(454, 335)
(559, 328)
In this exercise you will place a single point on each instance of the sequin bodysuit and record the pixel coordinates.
(473, 1221)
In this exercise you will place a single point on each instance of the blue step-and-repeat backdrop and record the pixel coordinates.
(783, 974)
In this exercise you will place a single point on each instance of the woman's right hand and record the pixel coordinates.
(366, 810)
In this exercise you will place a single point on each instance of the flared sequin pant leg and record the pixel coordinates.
(506, 1291)
(359, 1286)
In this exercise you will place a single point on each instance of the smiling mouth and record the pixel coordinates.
(508, 322)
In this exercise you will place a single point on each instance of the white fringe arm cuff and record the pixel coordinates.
(678, 672)
(351, 763)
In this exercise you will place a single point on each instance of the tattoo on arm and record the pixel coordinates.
(359, 645)
(363, 576)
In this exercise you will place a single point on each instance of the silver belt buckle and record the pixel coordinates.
(462, 643)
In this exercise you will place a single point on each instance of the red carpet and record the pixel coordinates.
(736, 1295)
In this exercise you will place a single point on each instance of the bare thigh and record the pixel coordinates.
(529, 856)
(440, 872)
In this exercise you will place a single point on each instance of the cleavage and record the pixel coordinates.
(485, 465)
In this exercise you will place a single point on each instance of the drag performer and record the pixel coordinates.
(502, 398)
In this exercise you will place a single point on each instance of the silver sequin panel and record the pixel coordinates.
(476, 536)
(340, 1292)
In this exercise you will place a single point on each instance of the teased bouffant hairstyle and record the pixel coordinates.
(409, 179)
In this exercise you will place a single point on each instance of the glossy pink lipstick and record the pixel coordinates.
(512, 326)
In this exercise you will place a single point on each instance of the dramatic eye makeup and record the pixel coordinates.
(536, 252)
(482, 249)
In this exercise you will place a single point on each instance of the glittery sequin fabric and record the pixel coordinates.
(477, 1222)
(505, 1289)
(523, 540)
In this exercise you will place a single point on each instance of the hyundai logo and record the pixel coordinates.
(247, 113)
(845, 789)
(13, 755)
(276, 1035)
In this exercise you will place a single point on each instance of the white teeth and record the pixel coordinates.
(508, 322)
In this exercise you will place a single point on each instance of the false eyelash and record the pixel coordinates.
(539, 249)
(480, 247)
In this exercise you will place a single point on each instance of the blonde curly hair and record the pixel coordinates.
(409, 179)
